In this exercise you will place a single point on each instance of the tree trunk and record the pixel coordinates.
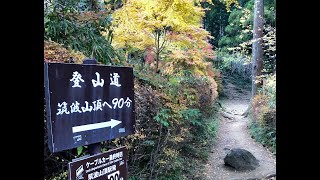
(158, 33)
(257, 51)
(157, 60)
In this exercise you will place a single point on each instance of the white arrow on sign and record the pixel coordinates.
(112, 123)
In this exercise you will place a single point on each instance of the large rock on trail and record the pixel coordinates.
(241, 159)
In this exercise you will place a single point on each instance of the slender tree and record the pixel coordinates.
(257, 50)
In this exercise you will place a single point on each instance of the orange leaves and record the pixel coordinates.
(88, 16)
(259, 107)
(54, 52)
(178, 54)
(190, 50)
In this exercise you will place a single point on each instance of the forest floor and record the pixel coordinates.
(233, 133)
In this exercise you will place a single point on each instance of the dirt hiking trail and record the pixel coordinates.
(233, 133)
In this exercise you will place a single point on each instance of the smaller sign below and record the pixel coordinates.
(110, 165)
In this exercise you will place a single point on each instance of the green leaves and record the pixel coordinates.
(79, 150)
(163, 117)
(193, 116)
(264, 134)
(81, 30)
(149, 143)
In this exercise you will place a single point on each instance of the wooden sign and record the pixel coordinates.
(87, 104)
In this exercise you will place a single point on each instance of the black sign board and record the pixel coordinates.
(111, 165)
(87, 104)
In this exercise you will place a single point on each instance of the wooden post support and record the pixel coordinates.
(96, 147)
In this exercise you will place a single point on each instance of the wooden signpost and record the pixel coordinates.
(87, 104)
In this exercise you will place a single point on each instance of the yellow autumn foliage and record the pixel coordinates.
(134, 24)
(171, 28)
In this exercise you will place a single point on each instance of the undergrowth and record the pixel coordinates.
(265, 135)
(263, 114)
